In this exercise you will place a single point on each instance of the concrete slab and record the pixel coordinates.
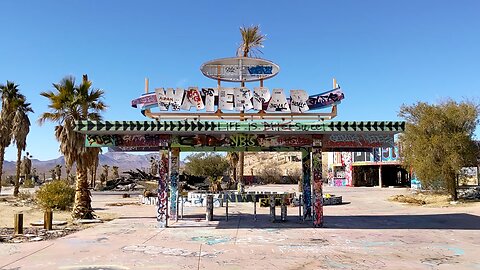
(369, 232)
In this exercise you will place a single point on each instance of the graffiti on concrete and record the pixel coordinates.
(347, 162)
(317, 188)
(154, 250)
(307, 192)
(353, 141)
(174, 171)
(242, 140)
(162, 191)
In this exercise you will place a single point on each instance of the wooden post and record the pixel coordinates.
(18, 223)
(48, 219)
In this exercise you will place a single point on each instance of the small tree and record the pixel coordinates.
(438, 141)
(115, 172)
(209, 165)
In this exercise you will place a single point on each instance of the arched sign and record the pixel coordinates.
(240, 69)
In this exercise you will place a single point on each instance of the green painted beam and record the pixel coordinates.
(215, 127)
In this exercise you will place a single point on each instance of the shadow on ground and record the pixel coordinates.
(430, 222)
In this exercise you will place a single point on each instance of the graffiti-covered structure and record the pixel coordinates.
(239, 119)
(375, 167)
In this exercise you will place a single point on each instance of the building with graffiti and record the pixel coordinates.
(380, 166)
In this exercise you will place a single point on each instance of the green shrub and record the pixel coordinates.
(56, 194)
(25, 195)
(28, 183)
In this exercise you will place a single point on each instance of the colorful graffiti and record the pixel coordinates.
(174, 171)
(242, 140)
(162, 192)
(390, 154)
(307, 191)
(363, 141)
(347, 162)
(317, 188)
(93, 140)
(138, 140)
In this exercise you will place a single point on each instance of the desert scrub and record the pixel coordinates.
(56, 194)
(29, 183)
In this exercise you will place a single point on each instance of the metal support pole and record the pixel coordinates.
(272, 208)
(300, 207)
(209, 214)
(183, 204)
(283, 209)
(176, 207)
(255, 207)
(226, 206)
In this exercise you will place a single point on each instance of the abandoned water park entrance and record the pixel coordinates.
(172, 137)
(280, 124)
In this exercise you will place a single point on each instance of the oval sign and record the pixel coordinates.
(238, 69)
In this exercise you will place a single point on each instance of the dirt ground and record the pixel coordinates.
(32, 213)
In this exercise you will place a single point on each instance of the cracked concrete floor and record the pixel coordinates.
(368, 232)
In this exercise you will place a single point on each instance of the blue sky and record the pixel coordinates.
(383, 53)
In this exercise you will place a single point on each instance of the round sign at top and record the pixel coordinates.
(240, 69)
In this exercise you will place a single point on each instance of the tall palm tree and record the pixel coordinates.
(232, 158)
(21, 128)
(69, 103)
(252, 40)
(9, 94)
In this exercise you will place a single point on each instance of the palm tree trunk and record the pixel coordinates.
(2, 155)
(17, 176)
(83, 203)
(241, 161)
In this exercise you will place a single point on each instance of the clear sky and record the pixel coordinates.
(383, 53)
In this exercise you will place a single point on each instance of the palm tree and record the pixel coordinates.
(115, 172)
(21, 128)
(58, 172)
(10, 94)
(70, 103)
(232, 158)
(252, 40)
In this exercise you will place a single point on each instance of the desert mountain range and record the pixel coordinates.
(254, 162)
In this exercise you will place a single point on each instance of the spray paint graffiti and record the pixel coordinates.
(162, 192)
(317, 188)
(174, 170)
(155, 250)
(347, 162)
(307, 191)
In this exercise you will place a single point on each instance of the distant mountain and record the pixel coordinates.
(124, 161)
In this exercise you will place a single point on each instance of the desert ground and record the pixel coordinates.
(368, 231)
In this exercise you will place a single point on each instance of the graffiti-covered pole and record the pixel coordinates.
(317, 188)
(174, 171)
(307, 189)
(162, 191)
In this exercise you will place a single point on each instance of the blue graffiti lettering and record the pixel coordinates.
(260, 70)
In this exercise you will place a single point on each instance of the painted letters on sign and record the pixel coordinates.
(237, 98)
